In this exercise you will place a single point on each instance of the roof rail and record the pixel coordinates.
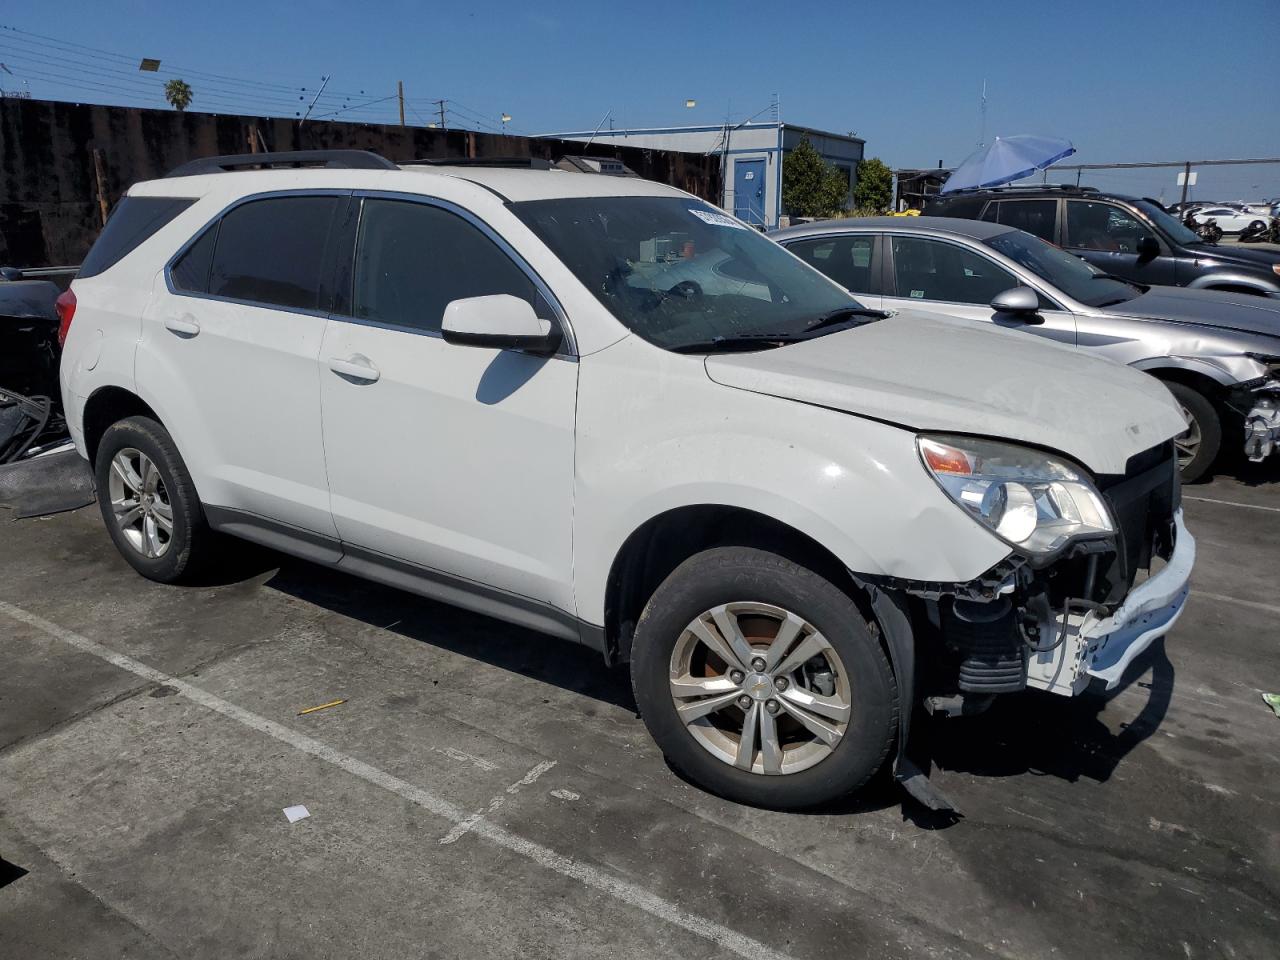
(522, 163)
(1031, 187)
(333, 159)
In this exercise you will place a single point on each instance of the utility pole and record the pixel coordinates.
(982, 109)
(440, 107)
(400, 93)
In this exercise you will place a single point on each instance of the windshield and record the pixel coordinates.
(679, 272)
(1172, 226)
(1073, 276)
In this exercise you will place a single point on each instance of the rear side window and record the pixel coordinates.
(413, 259)
(191, 271)
(846, 260)
(133, 222)
(1038, 217)
(272, 251)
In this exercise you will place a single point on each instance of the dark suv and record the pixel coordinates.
(1127, 237)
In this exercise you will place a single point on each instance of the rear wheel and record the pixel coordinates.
(1198, 446)
(761, 680)
(148, 501)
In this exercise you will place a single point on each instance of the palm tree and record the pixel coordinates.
(178, 93)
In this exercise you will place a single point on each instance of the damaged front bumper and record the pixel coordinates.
(1262, 427)
(1077, 648)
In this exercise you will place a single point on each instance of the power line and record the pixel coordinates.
(124, 60)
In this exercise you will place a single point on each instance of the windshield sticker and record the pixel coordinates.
(917, 294)
(716, 219)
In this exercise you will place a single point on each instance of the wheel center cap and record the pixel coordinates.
(758, 686)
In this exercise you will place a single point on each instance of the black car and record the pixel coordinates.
(1128, 237)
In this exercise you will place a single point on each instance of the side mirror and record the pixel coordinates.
(500, 322)
(1148, 248)
(1022, 302)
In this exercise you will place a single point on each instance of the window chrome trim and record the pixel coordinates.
(569, 345)
(217, 218)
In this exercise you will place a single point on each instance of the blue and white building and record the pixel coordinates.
(751, 156)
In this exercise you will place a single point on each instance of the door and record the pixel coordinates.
(850, 259)
(748, 191)
(456, 459)
(228, 355)
(1118, 242)
(945, 277)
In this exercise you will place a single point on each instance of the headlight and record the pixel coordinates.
(1026, 498)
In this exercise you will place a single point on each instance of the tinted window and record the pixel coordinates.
(1034, 216)
(191, 271)
(934, 270)
(1103, 226)
(846, 260)
(272, 251)
(413, 259)
(134, 220)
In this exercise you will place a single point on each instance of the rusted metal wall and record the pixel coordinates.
(50, 210)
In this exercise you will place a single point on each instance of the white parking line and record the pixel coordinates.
(1232, 503)
(458, 829)
(624, 891)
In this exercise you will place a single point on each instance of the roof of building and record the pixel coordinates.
(700, 128)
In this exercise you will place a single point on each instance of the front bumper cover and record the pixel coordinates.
(1080, 647)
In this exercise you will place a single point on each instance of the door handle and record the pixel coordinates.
(355, 368)
(183, 326)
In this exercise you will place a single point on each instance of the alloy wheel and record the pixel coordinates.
(760, 688)
(140, 503)
(1188, 442)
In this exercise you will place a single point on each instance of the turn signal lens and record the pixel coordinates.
(944, 459)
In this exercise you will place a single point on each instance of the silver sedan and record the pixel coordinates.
(1218, 352)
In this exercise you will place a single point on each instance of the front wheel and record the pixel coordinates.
(1198, 446)
(762, 681)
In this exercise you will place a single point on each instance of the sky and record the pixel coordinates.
(1123, 81)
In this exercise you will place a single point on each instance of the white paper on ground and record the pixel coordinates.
(294, 814)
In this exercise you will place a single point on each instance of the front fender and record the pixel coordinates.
(1224, 370)
(1210, 280)
(656, 434)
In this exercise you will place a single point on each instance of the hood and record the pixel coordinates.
(958, 376)
(1223, 309)
(1261, 258)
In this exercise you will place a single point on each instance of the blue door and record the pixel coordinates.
(748, 191)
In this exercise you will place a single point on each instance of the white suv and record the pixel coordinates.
(601, 408)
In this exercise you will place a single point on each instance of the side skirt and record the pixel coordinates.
(403, 575)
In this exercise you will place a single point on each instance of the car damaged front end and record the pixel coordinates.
(1258, 401)
(1098, 570)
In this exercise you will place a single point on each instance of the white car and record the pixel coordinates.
(796, 519)
(1229, 219)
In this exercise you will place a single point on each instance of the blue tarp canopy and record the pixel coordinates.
(1007, 159)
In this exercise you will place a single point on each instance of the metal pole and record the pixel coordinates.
(400, 94)
(1186, 180)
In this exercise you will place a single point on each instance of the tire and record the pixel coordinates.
(168, 557)
(1205, 419)
(745, 577)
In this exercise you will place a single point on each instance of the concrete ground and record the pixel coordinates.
(487, 792)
